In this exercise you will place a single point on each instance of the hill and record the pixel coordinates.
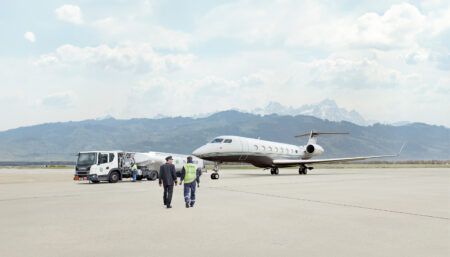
(61, 141)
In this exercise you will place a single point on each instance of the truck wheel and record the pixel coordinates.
(114, 177)
(153, 175)
(139, 177)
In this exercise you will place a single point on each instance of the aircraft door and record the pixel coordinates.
(244, 150)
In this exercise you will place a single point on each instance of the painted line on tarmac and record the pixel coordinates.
(330, 203)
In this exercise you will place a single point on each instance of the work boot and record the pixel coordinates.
(169, 206)
(187, 205)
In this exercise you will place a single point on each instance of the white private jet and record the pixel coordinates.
(268, 154)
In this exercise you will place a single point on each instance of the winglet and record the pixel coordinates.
(401, 149)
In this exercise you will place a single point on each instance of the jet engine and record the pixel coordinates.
(313, 149)
(310, 149)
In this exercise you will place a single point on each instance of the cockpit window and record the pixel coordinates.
(228, 141)
(217, 140)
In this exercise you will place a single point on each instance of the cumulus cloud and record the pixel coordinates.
(157, 36)
(417, 56)
(352, 74)
(58, 100)
(29, 36)
(140, 58)
(313, 24)
(399, 26)
(69, 13)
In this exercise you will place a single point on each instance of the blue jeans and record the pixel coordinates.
(189, 193)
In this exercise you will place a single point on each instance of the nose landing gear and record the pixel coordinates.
(215, 174)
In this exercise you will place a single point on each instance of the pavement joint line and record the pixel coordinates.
(331, 203)
(65, 195)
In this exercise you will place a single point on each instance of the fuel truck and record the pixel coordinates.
(113, 166)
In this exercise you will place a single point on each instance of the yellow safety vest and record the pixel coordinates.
(190, 172)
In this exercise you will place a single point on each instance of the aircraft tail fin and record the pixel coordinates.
(314, 134)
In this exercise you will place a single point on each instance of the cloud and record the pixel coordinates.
(353, 74)
(399, 26)
(58, 100)
(157, 36)
(417, 56)
(29, 36)
(69, 13)
(139, 58)
(314, 24)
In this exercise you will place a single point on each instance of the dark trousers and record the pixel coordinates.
(167, 197)
(189, 193)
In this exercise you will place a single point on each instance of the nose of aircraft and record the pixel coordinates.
(199, 152)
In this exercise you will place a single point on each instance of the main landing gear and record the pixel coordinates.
(215, 174)
(303, 170)
(274, 171)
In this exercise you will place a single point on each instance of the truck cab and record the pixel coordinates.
(98, 165)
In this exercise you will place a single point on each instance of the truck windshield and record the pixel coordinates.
(86, 159)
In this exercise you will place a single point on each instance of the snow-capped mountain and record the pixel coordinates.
(326, 109)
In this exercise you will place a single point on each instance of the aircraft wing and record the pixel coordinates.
(310, 161)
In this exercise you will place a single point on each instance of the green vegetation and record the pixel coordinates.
(62, 141)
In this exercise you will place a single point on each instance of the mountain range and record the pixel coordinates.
(326, 109)
(61, 141)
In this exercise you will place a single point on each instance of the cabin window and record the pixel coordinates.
(263, 148)
(256, 147)
(217, 140)
(228, 141)
(270, 149)
(276, 149)
(102, 158)
(111, 157)
(281, 149)
(296, 151)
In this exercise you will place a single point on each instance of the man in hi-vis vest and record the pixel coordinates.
(191, 176)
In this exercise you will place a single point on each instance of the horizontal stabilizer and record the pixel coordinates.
(315, 133)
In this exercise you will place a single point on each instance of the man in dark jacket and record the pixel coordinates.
(167, 178)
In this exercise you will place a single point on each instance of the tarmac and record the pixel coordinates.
(329, 212)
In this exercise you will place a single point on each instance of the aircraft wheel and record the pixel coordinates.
(276, 171)
(271, 171)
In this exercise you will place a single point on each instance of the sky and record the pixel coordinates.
(76, 60)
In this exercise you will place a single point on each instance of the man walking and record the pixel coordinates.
(190, 174)
(167, 178)
(134, 171)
